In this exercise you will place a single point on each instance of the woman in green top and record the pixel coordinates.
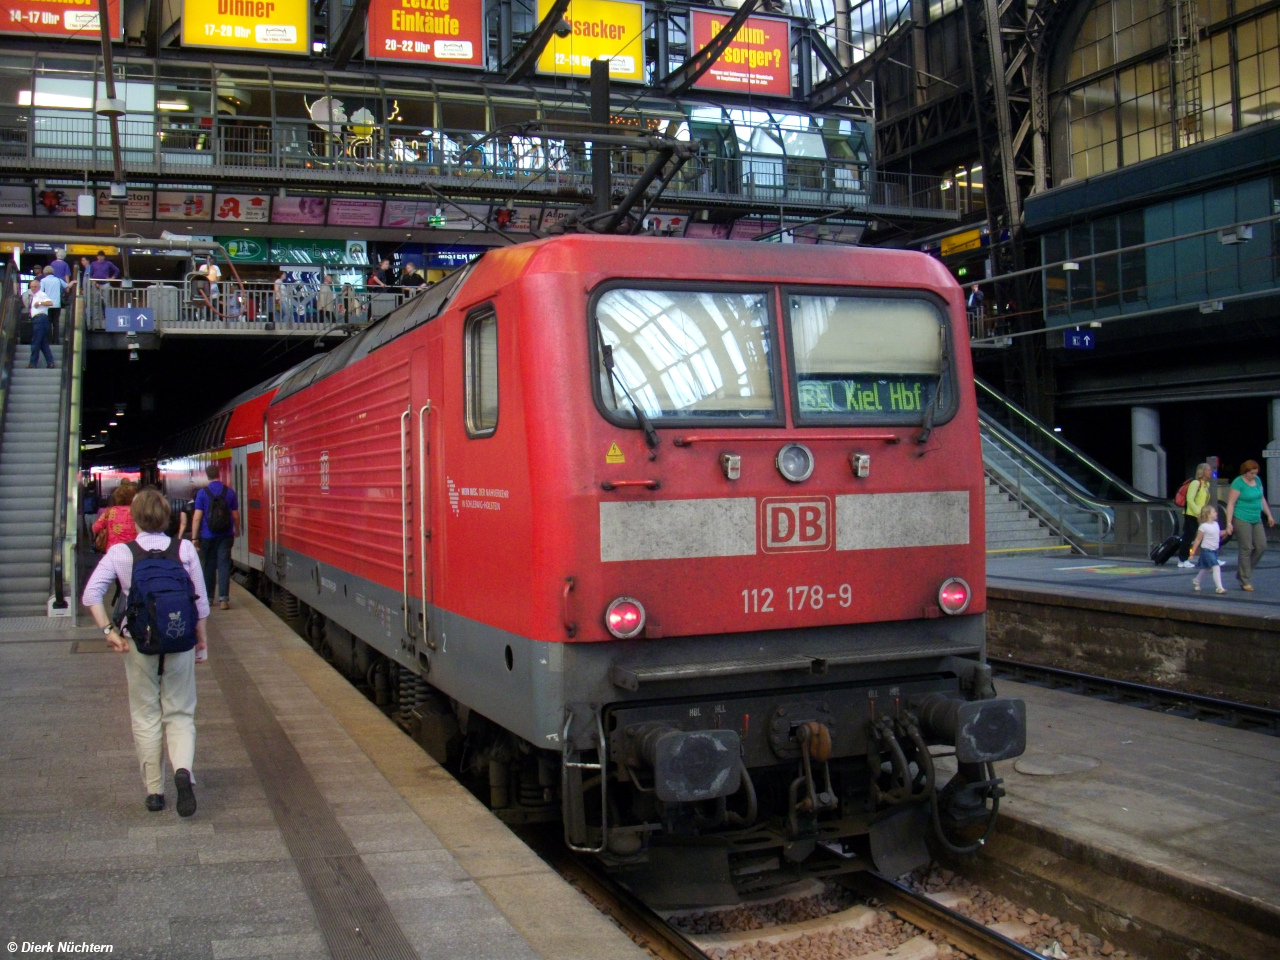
(1197, 497)
(1245, 507)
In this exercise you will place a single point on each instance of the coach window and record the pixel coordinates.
(868, 359)
(688, 355)
(482, 375)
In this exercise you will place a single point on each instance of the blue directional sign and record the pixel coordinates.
(131, 319)
(1079, 339)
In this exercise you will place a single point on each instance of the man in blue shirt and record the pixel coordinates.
(54, 288)
(216, 521)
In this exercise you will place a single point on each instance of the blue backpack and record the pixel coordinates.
(161, 609)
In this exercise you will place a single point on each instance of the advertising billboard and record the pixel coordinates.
(757, 61)
(446, 32)
(183, 205)
(299, 210)
(610, 30)
(242, 207)
(354, 213)
(67, 19)
(278, 26)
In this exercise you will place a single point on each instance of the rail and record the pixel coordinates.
(1246, 716)
(67, 471)
(9, 300)
(388, 155)
(302, 304)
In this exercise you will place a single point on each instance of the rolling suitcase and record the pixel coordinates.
(1165, 549)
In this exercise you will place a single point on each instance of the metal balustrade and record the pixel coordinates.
(387, 155)
(300, 305)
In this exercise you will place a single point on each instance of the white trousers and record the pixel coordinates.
(163, 709)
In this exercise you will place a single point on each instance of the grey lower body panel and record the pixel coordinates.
(526, 685)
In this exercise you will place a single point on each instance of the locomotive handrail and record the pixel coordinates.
(405, 526)
(693, 438)
(567, 765)
(423, 507)
(615, 484)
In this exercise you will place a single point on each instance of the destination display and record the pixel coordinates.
(758, 60)
(280, 26)
(876, 395)
(69, 19)
(446, 32)
(610, 30)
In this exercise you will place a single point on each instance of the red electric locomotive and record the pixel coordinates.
(683, 538)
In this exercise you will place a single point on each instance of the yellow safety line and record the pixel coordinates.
(1065, 546)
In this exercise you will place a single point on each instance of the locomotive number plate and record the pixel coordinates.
(792, 524)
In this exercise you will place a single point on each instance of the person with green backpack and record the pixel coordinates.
(1192, 497)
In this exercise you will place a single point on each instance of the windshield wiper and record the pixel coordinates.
(650, 434)
(930, 411)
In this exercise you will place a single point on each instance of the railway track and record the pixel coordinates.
(663, 939)
(1228, 713)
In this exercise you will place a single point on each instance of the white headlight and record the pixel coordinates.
(794, 462)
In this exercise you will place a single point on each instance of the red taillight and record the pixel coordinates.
(624, 618)
(954, 596)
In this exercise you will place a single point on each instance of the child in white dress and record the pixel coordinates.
(1208, 539)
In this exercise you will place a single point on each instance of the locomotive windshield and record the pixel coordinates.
(686, 354)
(867, 359)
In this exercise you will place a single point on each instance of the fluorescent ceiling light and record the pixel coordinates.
(63, 100)
(172, 105)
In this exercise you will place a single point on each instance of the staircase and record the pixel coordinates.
(28, 462)
(1011, 528)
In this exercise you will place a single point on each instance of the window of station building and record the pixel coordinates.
(481, 337)
(1233, 71)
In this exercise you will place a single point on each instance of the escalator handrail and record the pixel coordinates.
(1049, 477)
(9, 300)
(69, 333)
(1066, 446)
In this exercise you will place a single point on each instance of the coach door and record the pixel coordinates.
(240, 484)
(425, 420)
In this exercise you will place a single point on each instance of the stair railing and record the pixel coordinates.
(10, 299)
(67, 473)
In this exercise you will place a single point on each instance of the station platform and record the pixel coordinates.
(322, 830)
(1131, 620)
(1157, 821)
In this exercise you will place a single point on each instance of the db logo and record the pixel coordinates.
(793, 523)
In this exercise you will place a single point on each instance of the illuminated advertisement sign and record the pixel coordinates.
(76, 19)
(242, 207)
(758, 60)
(281, 26)
(181, 205)
(447, 32)
(610, 30)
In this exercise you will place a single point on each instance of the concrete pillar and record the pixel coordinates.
(1272, 456)
(1149, 473)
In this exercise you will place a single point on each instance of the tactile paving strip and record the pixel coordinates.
(354, 918)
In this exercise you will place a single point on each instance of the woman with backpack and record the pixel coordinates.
(1193, 496)
(165, 608)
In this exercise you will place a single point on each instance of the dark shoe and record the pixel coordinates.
(53, 366)
(186, 796)
(225, 605)
(31, 366)
(155, 802)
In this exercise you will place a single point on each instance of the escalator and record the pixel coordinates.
(1077, 502)
(39, 464)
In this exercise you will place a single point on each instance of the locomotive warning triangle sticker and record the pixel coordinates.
(615, 454)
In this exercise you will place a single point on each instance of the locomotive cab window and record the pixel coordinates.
(869, 359)
(685, 355)
(481, 336)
